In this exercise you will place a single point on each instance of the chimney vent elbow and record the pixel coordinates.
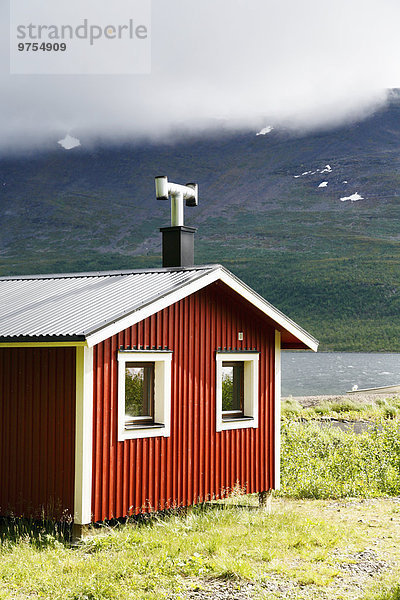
(161, 187)
(194, 199)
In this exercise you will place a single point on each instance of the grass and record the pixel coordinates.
(302, 547)
(332, 512)
(391, 593)
(164, 558)
(157, 559)
(345, 409)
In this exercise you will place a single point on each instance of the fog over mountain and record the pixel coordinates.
(238, 64)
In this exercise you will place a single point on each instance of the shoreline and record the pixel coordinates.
(362, 398)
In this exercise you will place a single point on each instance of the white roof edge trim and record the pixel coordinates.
(241, 288)
(218, 274)
(142, 313)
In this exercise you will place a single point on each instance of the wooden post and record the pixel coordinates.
(79, 532)
(265, 500)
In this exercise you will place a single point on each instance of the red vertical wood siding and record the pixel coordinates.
(195, 463)
(37, 432)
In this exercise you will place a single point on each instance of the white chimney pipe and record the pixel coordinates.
(178, 193)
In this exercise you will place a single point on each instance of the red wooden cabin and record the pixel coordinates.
(75, 443)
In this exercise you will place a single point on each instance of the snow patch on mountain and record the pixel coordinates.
(326, 169)
(353, 198)
(69, 142)
(265, 130)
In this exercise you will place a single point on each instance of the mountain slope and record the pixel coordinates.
(333, 265)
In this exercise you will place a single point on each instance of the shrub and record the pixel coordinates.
(291, 407)
(390, 412)
(392, 593)
(339, 407)
(325, 462)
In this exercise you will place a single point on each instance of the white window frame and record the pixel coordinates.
(250, 361)
(162, 393)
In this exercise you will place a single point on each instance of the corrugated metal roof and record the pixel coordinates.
(74, 305)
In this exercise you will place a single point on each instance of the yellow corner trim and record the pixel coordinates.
(42, 344)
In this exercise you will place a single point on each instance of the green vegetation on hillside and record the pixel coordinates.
(343, 289)
(336, 276)
(339, 282)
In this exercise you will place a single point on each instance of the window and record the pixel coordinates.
(139, 394)
(232, 389)
(237, 390)
(144, 394)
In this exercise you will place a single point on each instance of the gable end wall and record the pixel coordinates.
(195, 463)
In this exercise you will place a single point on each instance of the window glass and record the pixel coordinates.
(232, 387)
(139, 392)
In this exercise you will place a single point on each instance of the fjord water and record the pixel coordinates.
(310, 374)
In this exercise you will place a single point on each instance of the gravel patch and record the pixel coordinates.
(221, 589)
(364, 563)
(356, 568)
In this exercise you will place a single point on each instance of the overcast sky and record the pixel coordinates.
(250, 63)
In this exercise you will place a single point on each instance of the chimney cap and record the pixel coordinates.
(178, 193)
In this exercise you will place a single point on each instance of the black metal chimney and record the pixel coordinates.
(177, 240)
(178, 246)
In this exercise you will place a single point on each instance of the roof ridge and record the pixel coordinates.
(114, 273)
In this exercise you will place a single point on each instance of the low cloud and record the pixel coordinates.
(239, 64)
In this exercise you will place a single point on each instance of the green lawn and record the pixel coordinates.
(332, 532)
(308, 549)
